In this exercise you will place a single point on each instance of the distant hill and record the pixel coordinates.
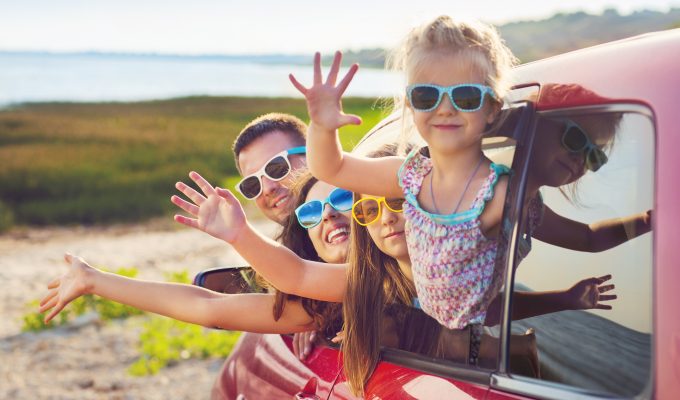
(534, 40)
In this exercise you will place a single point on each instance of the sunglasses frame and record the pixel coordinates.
(379, 200)
(261, 172)
(587, 148)
(323, 207)
(484, 89)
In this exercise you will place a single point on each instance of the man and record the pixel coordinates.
(266, 177)
(260, 141)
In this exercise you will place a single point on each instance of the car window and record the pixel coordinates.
(589, 221)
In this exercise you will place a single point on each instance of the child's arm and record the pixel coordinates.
(586, 294)
(325, 157)
(599, 236)
(193, 304)
(220, 214)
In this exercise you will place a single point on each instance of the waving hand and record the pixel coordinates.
(216, 212)
(324, 98)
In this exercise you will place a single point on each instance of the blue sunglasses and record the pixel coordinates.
(310, 213)
(467, 97)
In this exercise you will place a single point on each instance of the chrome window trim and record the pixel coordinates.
(543, 389)
(502, 380)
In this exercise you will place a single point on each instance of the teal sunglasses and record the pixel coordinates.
(310, 214)
(467, 97)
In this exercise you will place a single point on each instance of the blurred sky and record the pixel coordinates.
(241, 27)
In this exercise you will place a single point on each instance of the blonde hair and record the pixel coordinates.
(477, 42)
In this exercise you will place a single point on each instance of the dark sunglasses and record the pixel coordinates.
(368, 210)
(467, 97)
(576, 140)
(277, 168)
(310, 213)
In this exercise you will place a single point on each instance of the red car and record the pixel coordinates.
(616, 105)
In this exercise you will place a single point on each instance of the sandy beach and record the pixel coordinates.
(89, 359)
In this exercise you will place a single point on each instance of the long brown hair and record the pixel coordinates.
(374, 281)
(326, 315)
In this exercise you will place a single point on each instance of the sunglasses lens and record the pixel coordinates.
(574, 139)
(596, 159)
(277, 168)
(424, 97)
(396, 205)
(467, 98)
(367, 211)
(341, 199)
(250, 187)
(309, 214)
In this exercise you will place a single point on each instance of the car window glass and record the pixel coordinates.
(596, 171)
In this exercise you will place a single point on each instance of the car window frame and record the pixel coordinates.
(502, 380)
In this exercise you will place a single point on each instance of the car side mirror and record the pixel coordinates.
(231, 280)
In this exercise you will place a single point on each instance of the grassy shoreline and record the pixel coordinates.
(98, 163)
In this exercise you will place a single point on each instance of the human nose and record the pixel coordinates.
(446, 105)
(329, 212)
(388, 217)
(269, 186)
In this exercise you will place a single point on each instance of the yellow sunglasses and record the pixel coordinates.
(368, 209)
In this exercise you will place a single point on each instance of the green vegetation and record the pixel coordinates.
(162, 342)
(68, 163)
(166, 341)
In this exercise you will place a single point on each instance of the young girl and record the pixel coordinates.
(457, 77)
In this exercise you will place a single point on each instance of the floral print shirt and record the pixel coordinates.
(452, 261)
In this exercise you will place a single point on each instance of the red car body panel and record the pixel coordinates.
(643, 70)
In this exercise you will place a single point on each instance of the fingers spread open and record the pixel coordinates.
(190, 222)
(342, 86)
(604, 278)
(608, 297)
(335, 67)
(54, 312)
(317, 68)
(605, 288)
(227, 195)
(54, 283)
(49, 296)
(297, 84)
(49, 304)
(205, 186)
(188, 191)
(185, 205)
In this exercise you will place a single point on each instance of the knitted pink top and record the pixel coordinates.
(452, 261)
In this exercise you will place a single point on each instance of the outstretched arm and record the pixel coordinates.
(585, 294)
(220, 214)
(325, 157)
(599, 236)
(193, 304)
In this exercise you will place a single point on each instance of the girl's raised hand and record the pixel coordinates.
(66, 288)
(324, 98)
(217, 212)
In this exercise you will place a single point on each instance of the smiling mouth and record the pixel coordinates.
(337, 235)
(448, 127)
(281, 201)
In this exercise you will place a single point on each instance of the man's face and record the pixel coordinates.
(275, 201)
